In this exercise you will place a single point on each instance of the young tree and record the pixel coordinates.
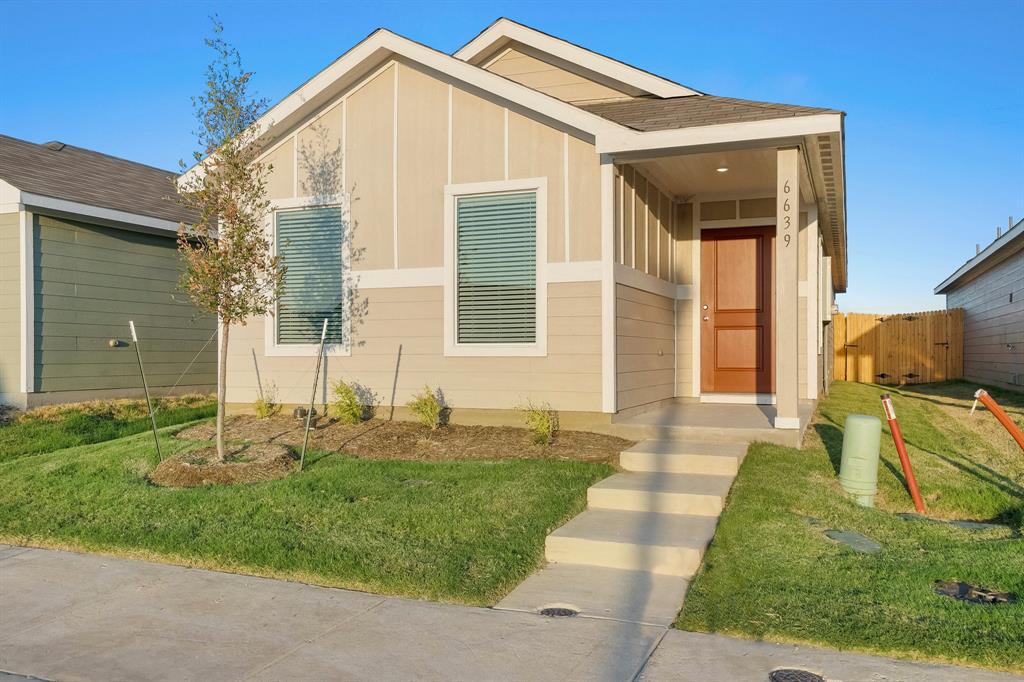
(230, 267)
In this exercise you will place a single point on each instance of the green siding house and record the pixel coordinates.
(87, 243)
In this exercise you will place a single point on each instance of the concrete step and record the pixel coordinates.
(696, 494)
(637, 430)
(596, 592)
(684, 457)
(665, 544)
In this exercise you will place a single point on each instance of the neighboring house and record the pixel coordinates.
(527, 219)
(990, 289)
(87, 243)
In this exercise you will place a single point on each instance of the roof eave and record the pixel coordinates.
(1015, 235)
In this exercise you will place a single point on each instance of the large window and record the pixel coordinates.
(496, 268)
(495, 285)
(309, 243)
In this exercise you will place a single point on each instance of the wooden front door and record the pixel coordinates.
(737, 283)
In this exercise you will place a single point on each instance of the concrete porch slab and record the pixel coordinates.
(632, 596)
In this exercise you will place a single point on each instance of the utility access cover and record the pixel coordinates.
(558, 612)
(861, 544)
(794, 675)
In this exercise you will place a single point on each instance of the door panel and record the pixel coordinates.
(737, 290)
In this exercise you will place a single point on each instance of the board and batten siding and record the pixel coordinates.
(645, 347)
(89, 282)
(393, 141)
(552, 80)
(993, 306)
(644, 220)
(399, 343)
(10, 303)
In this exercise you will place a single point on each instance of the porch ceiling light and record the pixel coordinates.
(722, 169)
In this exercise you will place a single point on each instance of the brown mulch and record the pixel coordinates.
(381, 439)
(249, 463)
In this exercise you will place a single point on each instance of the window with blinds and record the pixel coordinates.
(496, 268)
(309, 243)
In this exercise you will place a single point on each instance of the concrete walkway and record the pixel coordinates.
(67, 616)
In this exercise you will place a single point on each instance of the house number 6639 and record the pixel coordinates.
(787, 220)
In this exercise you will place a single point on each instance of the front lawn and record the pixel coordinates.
(771, 574)
(56, 427)
(465, 531)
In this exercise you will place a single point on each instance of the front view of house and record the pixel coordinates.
(529, 220)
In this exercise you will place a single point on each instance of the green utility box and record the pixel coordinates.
(858, 472)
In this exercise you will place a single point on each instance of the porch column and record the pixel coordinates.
(787, 197)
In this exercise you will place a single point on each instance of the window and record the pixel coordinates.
(495, 295)
(310, 244)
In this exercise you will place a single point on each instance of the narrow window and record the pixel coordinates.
(496, 268)
(309, 243)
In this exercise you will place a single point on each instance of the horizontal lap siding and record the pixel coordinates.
(89, 282)
(569, 377)
(993, 324)
(10, 303)
(645, 327)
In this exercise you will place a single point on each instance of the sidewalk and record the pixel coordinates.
(67, 616)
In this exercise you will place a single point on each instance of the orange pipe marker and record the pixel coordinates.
(897, 437)
(1004, 419)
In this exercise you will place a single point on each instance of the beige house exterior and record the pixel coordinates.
(625, 202)
(990, 289)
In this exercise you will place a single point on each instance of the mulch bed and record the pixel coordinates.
(381, 439)
(248, 463)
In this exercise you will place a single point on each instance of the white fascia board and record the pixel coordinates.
(384, 44)
(989, 251)
(625, 141)
(38, 201)
(505, 30)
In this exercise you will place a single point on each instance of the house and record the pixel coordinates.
(87, 243)
(990, 289)
(528, 219)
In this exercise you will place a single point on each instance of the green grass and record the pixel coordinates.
(68, 426)
(770, 573)
(451, 531)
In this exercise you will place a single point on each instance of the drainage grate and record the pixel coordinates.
(793, 675)
(558, 612)
(973, 593)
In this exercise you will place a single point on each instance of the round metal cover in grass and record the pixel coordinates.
(973, 593)
(558, 612)
(793, 675)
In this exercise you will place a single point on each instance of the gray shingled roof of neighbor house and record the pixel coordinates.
(63, 171)
(696, 110)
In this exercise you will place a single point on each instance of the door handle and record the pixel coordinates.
(706, 318)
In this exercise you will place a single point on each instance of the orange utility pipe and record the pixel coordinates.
(1004, 419)
(897, 437)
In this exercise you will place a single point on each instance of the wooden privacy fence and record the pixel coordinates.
(905, 348)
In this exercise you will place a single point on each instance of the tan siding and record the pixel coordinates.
(551, 80)
(319, 156)
(281, 181)
(645, 340)
(993, 324)
(536, 150)
(653, 199)
(757, 208)
(664, 236)
(643, 220)
(626, 217)
(684, 347)
(478, 139)
(717, 210)
(370, 170)
(585, 192)
(569, 377)
(640, 222)
(684, 244)
(422, 168)
(10, 303)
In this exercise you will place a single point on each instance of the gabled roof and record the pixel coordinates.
(505, 32)
(1006, 245)
(73, 174)
(688, 112)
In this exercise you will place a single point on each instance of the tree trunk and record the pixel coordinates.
(222, 377)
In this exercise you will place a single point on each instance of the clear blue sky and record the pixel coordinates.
(934, 91)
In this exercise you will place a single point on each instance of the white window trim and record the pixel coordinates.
(270, 345)
(538, 348)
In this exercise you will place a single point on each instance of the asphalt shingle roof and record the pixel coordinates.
(63, 171)
(696, 110)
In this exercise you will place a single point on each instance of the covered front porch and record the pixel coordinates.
(724, 279)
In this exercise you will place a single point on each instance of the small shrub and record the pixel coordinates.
(267, 405)
(345, 407)
(428, 407)
(542, 420)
